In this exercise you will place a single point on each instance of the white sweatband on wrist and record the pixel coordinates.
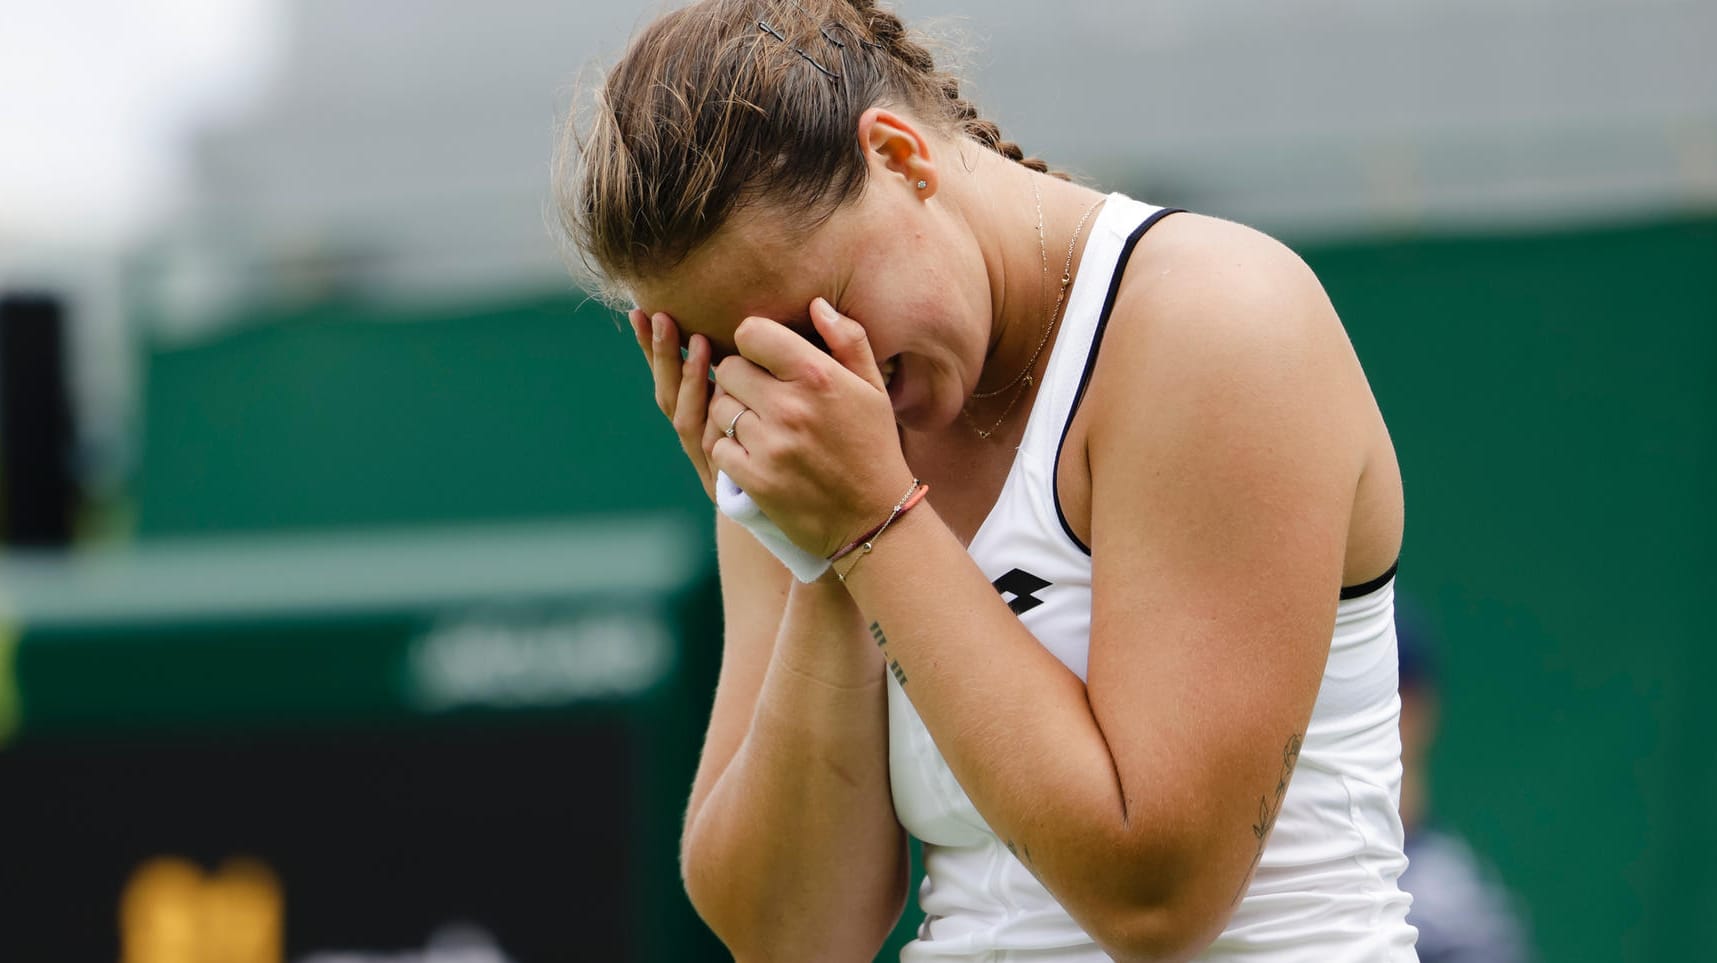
(737, 505)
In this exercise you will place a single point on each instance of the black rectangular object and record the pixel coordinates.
(378, 839)
(35, 422)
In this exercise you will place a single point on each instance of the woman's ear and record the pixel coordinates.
(897, 145)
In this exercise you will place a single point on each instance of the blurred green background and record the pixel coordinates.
(368, 499)
(1551, 397)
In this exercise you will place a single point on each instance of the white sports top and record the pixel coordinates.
(1325, 888)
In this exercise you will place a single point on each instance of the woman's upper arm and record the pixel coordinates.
(1223, 468)
(754, 589)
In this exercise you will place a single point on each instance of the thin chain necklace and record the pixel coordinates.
(1024, 380)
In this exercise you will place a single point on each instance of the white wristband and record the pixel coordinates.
(737, 505)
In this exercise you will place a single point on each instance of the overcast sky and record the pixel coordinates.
(1253, 108)
(95, 99)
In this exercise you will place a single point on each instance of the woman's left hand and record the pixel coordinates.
(814, 440)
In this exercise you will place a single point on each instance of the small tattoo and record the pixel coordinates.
(1270, 806)
(899, 673)
(882, 643)
(1023, 854)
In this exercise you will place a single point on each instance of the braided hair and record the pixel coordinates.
(887, 28)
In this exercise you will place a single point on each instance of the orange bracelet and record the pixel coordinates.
(864, 543)
(899, 507)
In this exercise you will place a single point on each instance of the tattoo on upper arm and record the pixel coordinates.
(1023, 854)
(882, 643)
(1270, 806)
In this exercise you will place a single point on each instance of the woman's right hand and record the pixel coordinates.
(683, 387)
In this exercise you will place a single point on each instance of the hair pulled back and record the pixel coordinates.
(724, 104)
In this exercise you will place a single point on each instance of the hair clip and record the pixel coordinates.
(822, 30)
(841, 26)
(778, 35)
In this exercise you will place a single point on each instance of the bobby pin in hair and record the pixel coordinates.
(841, 26)
(824, 30)
(778, 35)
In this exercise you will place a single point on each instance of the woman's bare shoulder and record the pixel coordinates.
(1212, 300)
(1200, 267)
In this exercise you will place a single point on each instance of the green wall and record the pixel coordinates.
(354, 414)
(1551, 396)
(1553, 400)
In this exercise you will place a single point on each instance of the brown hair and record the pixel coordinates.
(727, 103)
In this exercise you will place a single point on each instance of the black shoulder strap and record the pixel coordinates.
(1091, 359)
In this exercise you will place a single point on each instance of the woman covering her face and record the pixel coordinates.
(1057, 529)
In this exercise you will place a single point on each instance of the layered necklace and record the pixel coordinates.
(1022, 382)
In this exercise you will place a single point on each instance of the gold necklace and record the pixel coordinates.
(1024, 379)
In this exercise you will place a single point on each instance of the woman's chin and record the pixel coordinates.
(916, 408)
(909, 413)
(923, 416)
(911, 419)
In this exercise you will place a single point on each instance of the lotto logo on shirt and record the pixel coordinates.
(1020, 584)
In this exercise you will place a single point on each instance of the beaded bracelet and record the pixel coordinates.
(864, 543)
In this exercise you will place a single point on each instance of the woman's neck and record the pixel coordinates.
(1025, 271)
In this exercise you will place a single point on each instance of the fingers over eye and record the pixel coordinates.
(692, 407)
(743, 379)
(665, 362)
(777, 348)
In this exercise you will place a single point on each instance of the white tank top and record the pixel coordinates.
(1325, 889)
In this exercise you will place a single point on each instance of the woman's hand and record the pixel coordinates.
(682, 386)
(814, 440)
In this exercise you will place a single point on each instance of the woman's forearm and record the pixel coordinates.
(1015, 726)
(796, 852)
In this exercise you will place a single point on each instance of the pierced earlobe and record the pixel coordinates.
(923, 185)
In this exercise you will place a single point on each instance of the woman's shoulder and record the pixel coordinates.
(1196, 265)
(1225, 328)
(1204, 295)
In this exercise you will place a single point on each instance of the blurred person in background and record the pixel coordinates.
(1153, 587)
(1463, 913)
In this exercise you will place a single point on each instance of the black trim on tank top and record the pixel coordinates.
(1091, 363)
(1368, 587)
(1347, 591)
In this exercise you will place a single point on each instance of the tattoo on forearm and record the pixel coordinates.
(882, 643)
(1270, 806)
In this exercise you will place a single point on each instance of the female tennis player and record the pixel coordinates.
(1109, 511)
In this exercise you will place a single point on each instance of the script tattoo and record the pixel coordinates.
(882, 643)
(1270, 806)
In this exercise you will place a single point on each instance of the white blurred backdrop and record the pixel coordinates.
(403, 144)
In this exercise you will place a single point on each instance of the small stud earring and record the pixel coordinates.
(923, 184)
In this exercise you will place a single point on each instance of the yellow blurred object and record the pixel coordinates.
(172, 912)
